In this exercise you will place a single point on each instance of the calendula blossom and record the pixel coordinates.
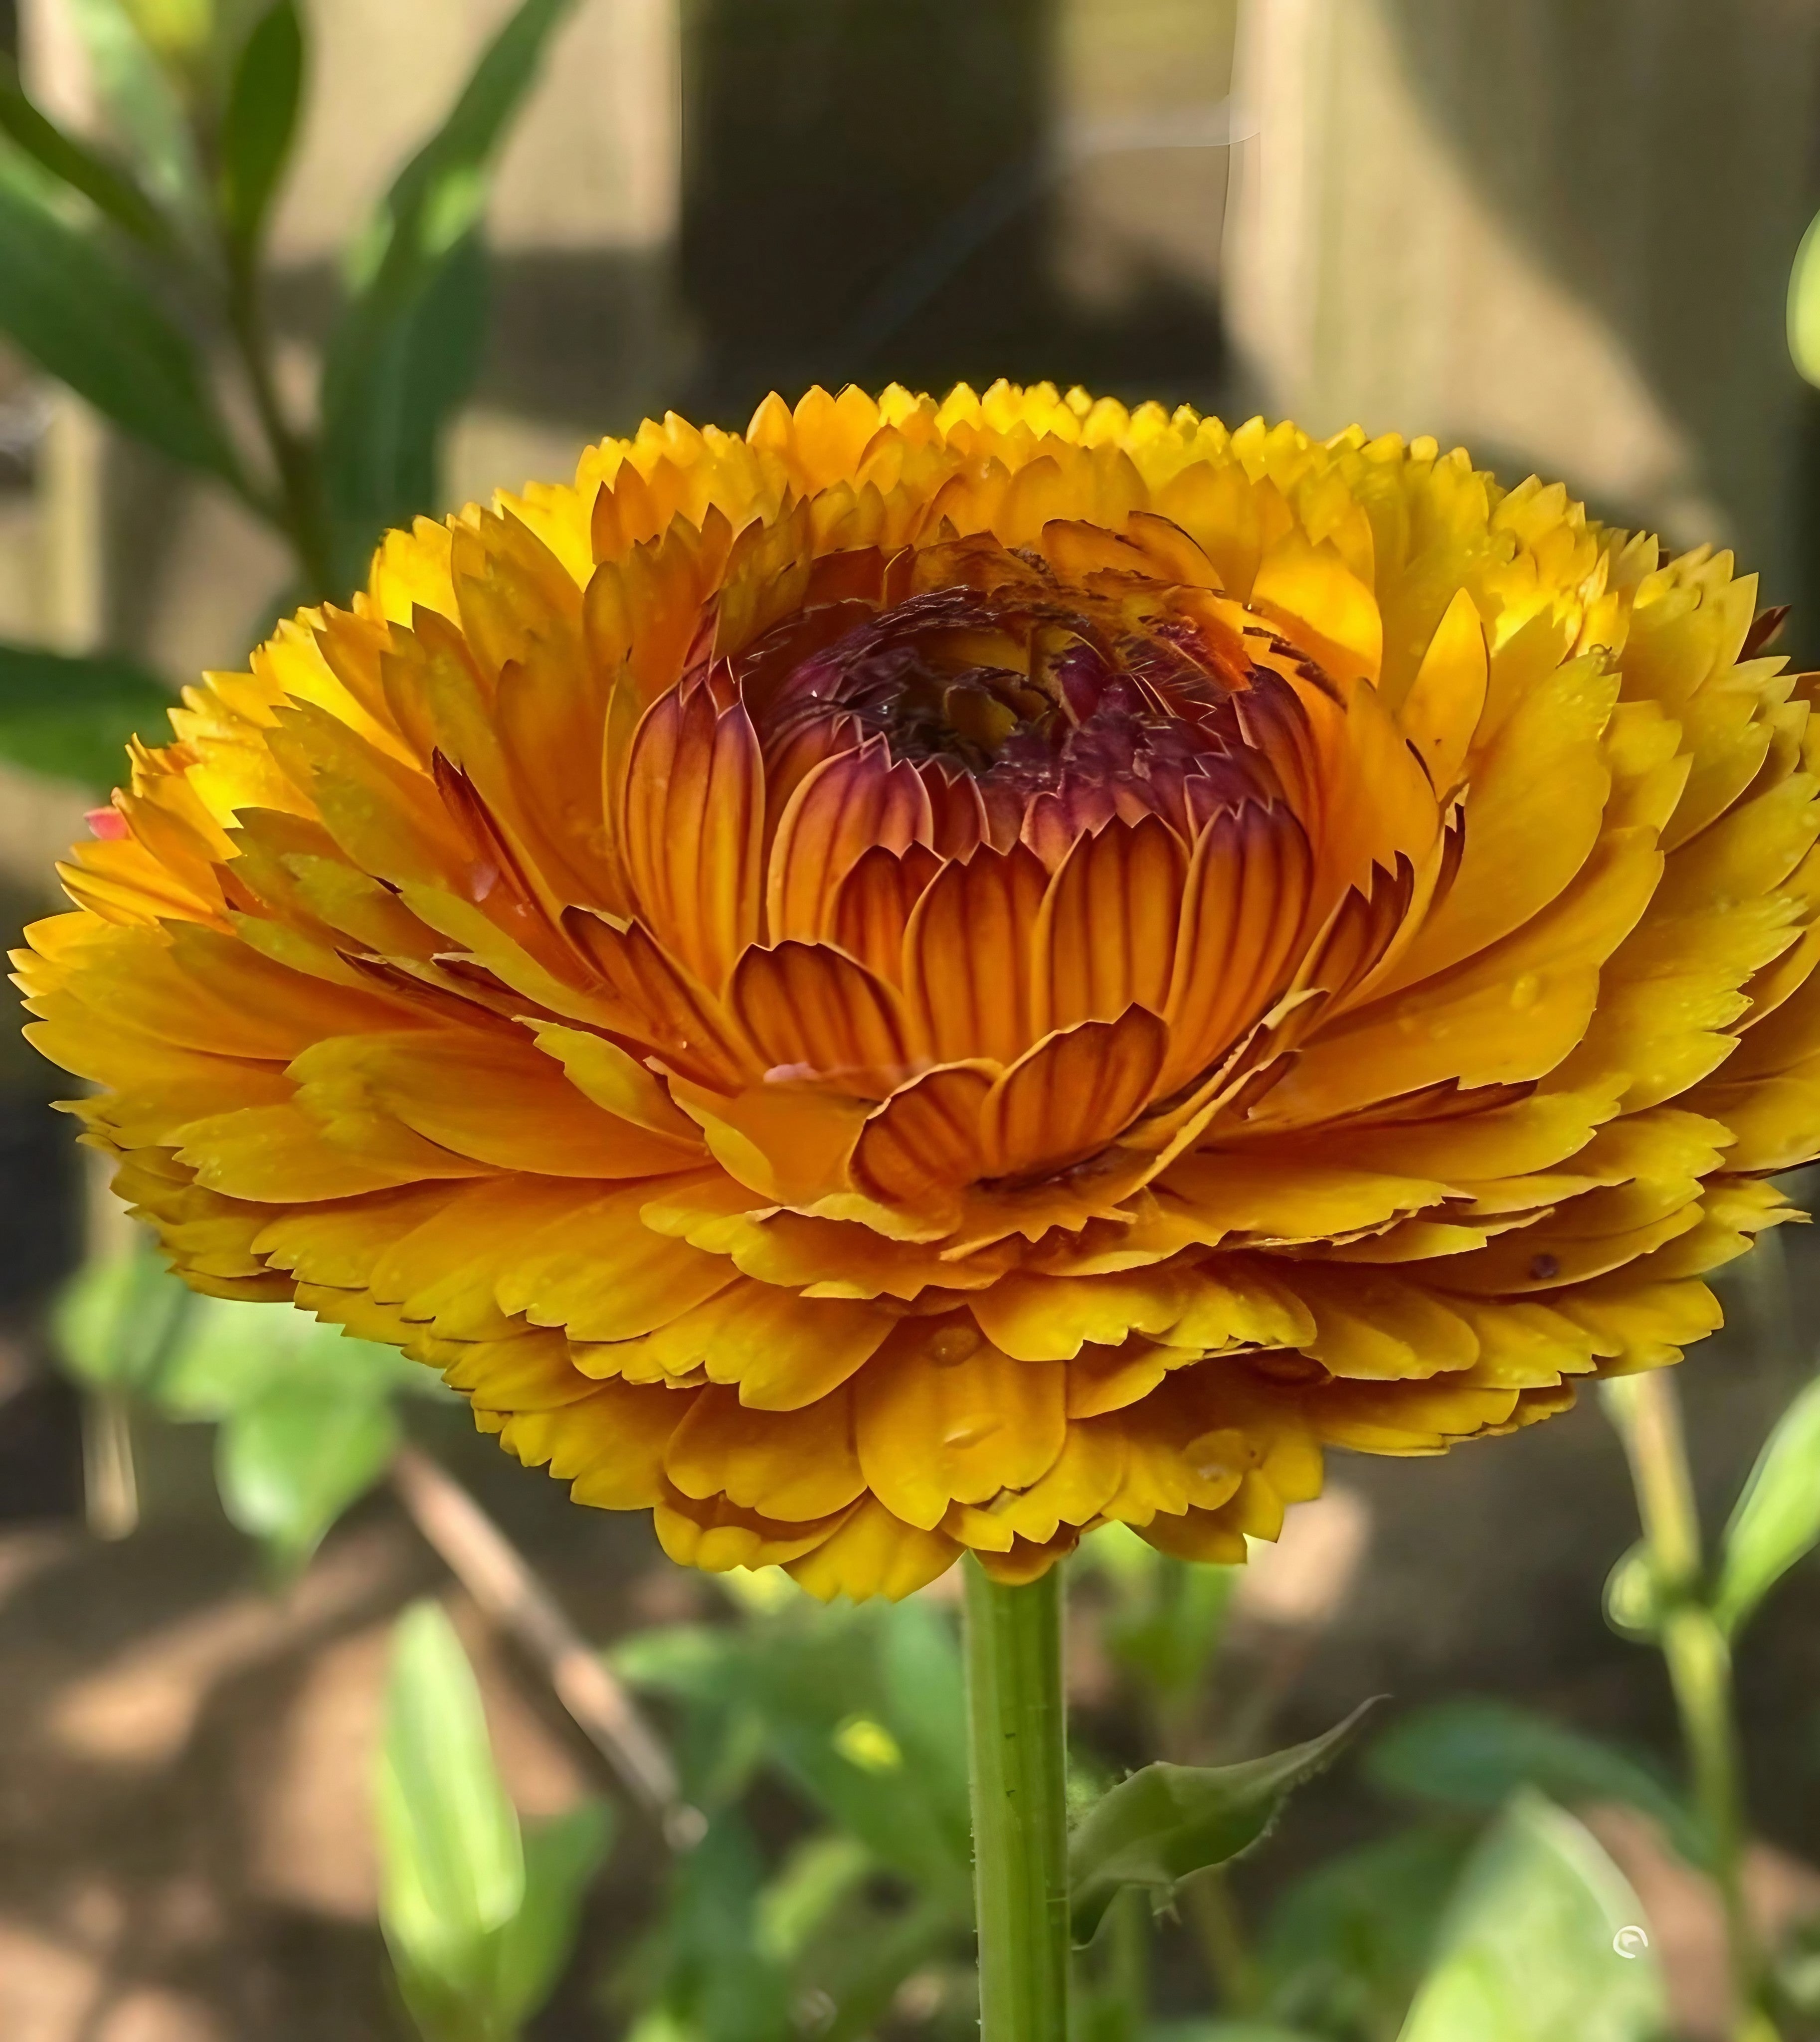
(940, 974)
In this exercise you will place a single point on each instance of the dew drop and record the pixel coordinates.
(1524, 993)
(951, 1345)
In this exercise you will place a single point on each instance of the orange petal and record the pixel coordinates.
(874, 1553)
(1106, 936)
(486, 1096)
(798, 1465)
(923, 1143)
(968, 956)
(1243, 908)
(1073, 1095)
(844, 807)
(873, 905)
(693, 826)
(813, 1012)
(931, 1435)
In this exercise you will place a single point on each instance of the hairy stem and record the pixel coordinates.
(1017, 1758)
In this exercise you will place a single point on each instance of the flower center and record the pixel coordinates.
(1004, 674)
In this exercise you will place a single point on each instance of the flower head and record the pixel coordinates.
(937, 975)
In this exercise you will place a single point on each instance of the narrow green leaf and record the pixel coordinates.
(85, 318)
(259, 123)
(1474, 1752)
(84, 170)
(407, 348)
(532, 1949)
(289, 1463)
(452, 1866)
(1804, 304)
(1777, 1520)
(70, 716)
(1154, 1828)
(1543, 1941)
(383, 423)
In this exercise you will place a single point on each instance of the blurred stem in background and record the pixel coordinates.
(1646, 1411)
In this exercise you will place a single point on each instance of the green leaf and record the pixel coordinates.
(1529, 1950)
(818, 1874)
(1345, 1946)
(86, 319)
(84, 170)
(233, 1354)
(1804, 304)
(1223, 2030)
(561, 1858)
(407, 348)
(1167, 1630)
(716, 1981)
(291, 1461)
(71, 715)
(259, 123)
(1166, 1821)
(115, 1322)
(1473, 1753)
(452, 1863)
(383, 427)
(1777, 1520)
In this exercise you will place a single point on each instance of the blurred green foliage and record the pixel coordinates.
(479, 1915)
(830, 1890)
(306, 1417)
(134, 268)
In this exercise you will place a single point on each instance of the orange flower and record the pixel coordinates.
(939, 974)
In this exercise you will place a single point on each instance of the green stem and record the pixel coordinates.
(299, 512)
(1646, 1410)
(1017, 1757)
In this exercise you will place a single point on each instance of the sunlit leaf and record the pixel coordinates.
(1777, 1520)
(290, 1462)
(1154, 1830)
(86, 319)
(259, 123)
(1543, 1940)
(1474, 1753)
(75, 163)
(451, 1864)
(71, 715)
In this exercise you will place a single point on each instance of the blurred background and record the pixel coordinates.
(1560, 232)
